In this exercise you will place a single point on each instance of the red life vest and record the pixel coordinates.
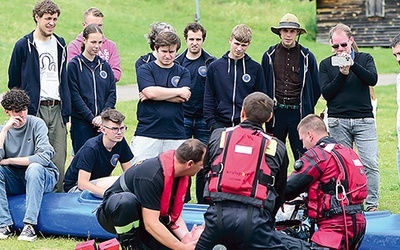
(347, 185)
(171, 205)
(240, 172)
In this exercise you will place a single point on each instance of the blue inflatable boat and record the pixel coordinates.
(74, 215)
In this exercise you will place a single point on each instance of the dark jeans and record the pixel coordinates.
(80, 134)
(197, 128)
(286, 121)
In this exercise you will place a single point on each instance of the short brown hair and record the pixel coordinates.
(15, 100)
(167, 38)
(112, 115)
(195, 27)
(191, 149)
(258, 107)
(45, 6)
(92, 11)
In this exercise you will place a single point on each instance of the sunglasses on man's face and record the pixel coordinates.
(336, 46)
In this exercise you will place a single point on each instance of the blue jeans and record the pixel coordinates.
(197, 128)
(361, 132)
(33, 181)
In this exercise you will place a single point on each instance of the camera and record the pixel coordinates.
(341, 60)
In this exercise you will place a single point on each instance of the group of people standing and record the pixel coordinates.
(190, 95)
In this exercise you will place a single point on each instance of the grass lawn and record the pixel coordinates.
(387, 143)
(126, 22)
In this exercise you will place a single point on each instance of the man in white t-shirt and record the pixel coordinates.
(38, 66)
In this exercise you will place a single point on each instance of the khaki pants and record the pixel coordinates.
(57, 133)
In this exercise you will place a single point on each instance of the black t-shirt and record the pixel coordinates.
(94, 158)
(146, 181)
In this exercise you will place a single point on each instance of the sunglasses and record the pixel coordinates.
(336, 46)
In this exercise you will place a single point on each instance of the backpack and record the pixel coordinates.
(240, 172)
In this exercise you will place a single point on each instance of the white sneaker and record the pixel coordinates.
(28, 233)
(5, 232)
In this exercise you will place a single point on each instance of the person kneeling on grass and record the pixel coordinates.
(144, 205)
(25, 163)
(94, 162)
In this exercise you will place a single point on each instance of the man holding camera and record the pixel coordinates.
(346, 90)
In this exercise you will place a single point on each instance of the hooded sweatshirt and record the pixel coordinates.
(228, 82)
(92, 86)
(108, 52)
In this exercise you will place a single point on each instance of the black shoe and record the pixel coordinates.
(128, 240)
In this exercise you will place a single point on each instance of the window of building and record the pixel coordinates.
(375, 8)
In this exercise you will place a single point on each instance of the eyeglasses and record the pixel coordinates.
(115, 130)
(336, 46)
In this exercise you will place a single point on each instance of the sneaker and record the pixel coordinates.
(28, 233)
(5, 232)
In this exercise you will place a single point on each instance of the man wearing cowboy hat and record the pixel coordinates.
(291, 75)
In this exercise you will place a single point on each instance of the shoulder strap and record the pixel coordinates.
(122, 183)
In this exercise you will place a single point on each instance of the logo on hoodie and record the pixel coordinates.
(246, 78)
(103, 74)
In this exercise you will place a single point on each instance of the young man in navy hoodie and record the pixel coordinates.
(38, 66)
(230, 79)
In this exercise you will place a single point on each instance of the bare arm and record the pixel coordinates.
(125, 165)
(85, 184)
(161, 233)
(157, 93)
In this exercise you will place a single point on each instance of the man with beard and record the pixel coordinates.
(196, 60)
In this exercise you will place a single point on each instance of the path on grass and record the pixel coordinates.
(130, 92)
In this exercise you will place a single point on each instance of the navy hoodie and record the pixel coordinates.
(228, 82)
(92, 89)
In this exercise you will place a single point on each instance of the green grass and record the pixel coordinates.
(387, 143)
(126, 22)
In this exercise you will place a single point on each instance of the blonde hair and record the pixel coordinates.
(242, 33)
